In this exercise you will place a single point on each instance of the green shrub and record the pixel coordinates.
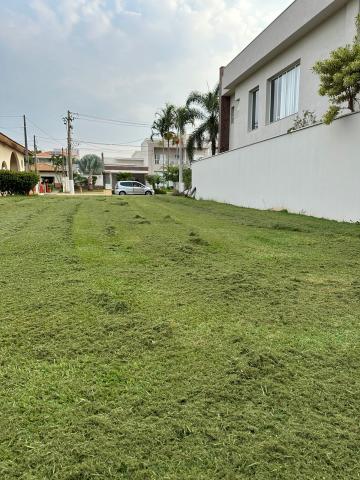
(17, 183)
(160, 191)
(124, 176)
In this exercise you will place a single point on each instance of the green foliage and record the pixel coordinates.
(124, 176)
(171, 174)
(340, 78)
(79, 180)
(208, 112)
(153, 180)
(57, 161)
(164, 123)
(331, 114)
(17, 183)
(160, 191)
(308, 119)
(183, 116)
(90, 165)
(187, 177)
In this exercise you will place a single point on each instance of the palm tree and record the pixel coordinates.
(163, 125)
(183, 116)
(208, 113)
(90, 165)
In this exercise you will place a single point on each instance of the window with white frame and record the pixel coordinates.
(159, 158)
(285, 94)
(232, 115)
(254, 109)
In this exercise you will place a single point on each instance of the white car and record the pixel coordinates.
(127, 187)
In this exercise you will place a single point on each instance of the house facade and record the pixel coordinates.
(157, 154)
(312, 171)
(152, 159)
(49, 173)
(12, 154)
(271, 80)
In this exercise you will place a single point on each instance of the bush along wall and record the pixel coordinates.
(17, 183)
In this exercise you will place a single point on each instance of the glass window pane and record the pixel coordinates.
(285, 94)
(254, 109)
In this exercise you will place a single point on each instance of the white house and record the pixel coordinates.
(263, 89)
(151, 159)
(155, 153)
(11, 154)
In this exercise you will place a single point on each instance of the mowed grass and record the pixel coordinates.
(163, 338)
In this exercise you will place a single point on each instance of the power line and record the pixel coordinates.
(83, 116)
(109, 144)
(39, 128)
(52, 138)
(122, 124)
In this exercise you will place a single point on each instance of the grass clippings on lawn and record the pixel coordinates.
(174, 339)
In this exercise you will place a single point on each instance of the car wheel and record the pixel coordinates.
(148, 193)
(122, 193)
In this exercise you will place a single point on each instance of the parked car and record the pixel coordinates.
(132, 188)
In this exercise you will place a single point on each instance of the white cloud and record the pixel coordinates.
(120, 58)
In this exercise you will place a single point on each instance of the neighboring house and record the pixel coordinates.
(271, 80)
(315, 170)
(150, 160)
(113, 166)
(11, 154)
(49, 174)
(46, 169)
(155, 153)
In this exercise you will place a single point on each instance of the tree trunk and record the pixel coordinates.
(351, 104)
(168, 159)
(213, 147)
(163, 160)
(90, 183)
(181, 165)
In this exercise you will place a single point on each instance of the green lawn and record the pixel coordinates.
(163, 338)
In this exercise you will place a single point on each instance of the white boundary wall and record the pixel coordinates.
(315, 171)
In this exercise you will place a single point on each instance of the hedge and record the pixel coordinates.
(17, 183)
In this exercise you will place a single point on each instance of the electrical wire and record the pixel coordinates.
(39, 128)
(108, 144)
(83, 116)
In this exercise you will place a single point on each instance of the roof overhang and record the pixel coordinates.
(297, 20)
(125, 168)
(12, 144)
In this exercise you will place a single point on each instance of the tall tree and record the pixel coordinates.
(206, 108)
(58, 162)
(90, 165)
(340, 78)
(183, 116)
(163, 126)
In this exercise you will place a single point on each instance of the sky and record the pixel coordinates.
(115, 59)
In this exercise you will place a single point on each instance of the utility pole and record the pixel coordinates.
(35, 155)
(68, 122)
(64, 162)
(102, 159)
(27, 163)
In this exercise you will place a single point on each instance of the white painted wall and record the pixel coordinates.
(315, 171)
(5, 157)
(336, 30)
